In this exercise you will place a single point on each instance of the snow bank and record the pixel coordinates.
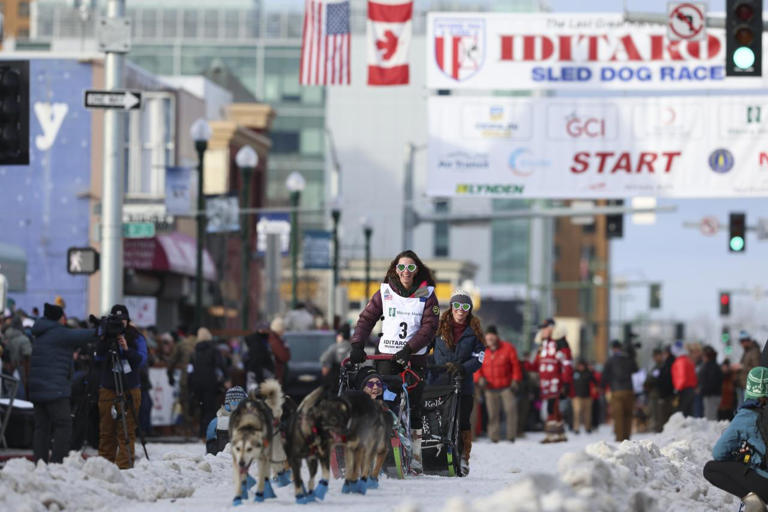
(644, 475)
(97, 484)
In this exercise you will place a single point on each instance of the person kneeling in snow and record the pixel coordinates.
(217, 433)
(740, 454)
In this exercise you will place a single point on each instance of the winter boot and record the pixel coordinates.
(417, 467)
(560, 436)
(753, 503)
(466, 448)
(550, 431)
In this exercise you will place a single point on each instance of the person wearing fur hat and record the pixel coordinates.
(217, 433)
(739, 465)
(459, 348)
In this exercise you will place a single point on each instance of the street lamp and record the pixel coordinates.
(335, 216)
(201, 133)
(367, 231)
(246, 159)
(295, 185)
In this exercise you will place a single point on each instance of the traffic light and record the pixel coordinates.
(679, 331)
(655, 298)
(725, 303)
(14, 112)
(614, 224)
(725, 337)
(743, 37)
(737, 232)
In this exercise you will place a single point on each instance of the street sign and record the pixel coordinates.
(273, 224)
(317, 249)
(686, 21)
(223, 214)
(709, 226)
(585, 220)
(82, 260)
(138, 230)
(121, 100)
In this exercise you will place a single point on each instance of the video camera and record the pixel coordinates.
(109, 327)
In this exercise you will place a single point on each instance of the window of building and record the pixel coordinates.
(442, 231)
(284, 142)
(210, 24)
(170, 23)
(588, 228)
(22, 33)
(149, 19)
(150, 135)
(555, 252)
(2, 7)
(190, 24)
(311, 141)
(509, 244)
(24, 10)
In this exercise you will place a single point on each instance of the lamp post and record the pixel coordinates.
(295, 185)
(246, 159)
(201, 133)
(367, 231)
(335, 216)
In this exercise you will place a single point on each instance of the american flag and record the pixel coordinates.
(325, 44)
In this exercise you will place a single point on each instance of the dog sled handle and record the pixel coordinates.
(375, 357)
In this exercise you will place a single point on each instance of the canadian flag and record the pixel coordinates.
(389, 39)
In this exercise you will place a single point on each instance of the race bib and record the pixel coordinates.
(402, 319)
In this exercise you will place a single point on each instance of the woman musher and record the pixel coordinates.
(407, 305)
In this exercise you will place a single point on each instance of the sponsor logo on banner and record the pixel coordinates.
(459, 46)
(497, 121)
(483, 189)
(612, 162)
(521, 163)
(567, 122)
(464, 161)
(744, 120)
(721, 161)
(763, 160)
(668, 121)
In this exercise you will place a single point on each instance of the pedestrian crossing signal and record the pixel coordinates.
(82, 260)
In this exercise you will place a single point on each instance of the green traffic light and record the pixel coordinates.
(737, 243)
(744, 58)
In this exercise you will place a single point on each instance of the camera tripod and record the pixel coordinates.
(120, 401)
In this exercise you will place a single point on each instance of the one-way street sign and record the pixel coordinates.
(123, 100)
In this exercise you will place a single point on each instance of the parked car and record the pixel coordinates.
(304, 371)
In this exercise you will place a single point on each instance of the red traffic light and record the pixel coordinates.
(744, 11)
(725, 299)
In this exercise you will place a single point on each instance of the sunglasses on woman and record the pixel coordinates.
(373, 383)
(461, 305)
(410, 267)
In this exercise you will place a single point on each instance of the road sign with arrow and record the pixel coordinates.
(121, 100)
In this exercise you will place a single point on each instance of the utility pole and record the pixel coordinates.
(112, 179)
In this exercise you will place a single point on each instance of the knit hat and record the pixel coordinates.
(52, 312)
(204, 334)
(757, 383)
(121, 311)
(235, 394)
(344, 331)
(365, 374)
(463, 297)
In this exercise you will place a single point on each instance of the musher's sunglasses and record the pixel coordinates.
(461, 305)
(411, 268)
(374, 383)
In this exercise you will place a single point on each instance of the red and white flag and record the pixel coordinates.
(389, 41)
(325, 43)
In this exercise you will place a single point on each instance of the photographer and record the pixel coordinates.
(130, 349)
(50, 381)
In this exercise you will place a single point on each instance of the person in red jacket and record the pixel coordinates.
(684, 379)
(555, 366)
(500, 377)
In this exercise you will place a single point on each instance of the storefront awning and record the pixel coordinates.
(170, 252)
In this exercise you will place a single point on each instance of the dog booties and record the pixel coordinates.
(305, 497)
(320, 491)
(269, 493)
(373, 483)
(283, 478)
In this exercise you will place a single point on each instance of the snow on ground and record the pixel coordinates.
(588, 473)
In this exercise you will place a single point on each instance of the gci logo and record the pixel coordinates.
(592, 127)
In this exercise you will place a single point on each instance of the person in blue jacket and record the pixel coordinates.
(740, 454)
(460, 350)
(217, 433)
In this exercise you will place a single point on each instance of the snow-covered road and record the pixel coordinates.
(588, 473)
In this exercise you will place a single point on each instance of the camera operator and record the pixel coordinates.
(132, 355)
(50, 381)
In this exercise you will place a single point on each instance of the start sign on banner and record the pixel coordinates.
(587, 51)
(685, 146)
